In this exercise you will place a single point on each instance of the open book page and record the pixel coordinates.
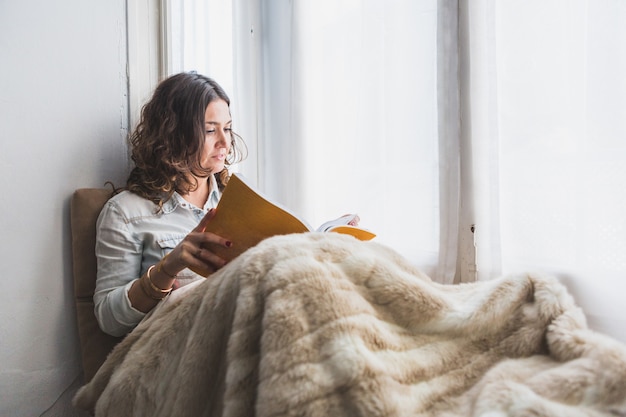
(348, 219)
(343, 225)
(359, 233)
(245, 217)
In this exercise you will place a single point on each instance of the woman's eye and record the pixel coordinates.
(208, 132)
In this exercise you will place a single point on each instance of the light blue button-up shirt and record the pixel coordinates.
(132, 236)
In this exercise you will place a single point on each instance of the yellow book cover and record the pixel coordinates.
(245, 217)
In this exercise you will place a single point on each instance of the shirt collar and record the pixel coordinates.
(214, 194)
(211, 201)
(171, 204)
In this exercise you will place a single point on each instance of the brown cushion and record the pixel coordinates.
(84, 210)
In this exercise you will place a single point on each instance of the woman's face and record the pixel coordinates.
(217, 136)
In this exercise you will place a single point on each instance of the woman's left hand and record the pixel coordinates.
(191, 252)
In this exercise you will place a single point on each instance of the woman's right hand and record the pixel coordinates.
(191, 252)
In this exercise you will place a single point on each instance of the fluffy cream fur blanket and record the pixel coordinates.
(325, 325)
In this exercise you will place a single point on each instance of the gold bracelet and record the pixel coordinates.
(161, 269)
(161, 291)
(146, 289)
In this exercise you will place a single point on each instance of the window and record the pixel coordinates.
(505, 141)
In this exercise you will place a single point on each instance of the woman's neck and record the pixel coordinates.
(198, 197)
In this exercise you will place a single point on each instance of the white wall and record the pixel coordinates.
(63, 119)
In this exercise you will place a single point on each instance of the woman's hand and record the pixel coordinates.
(146, 292)
(353, 219)
(191, 252)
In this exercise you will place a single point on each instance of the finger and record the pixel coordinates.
(208, 258)
(197, 247)
(205, 220)
(202, 239)
(355, 221)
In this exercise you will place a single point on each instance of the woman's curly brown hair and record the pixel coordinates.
(166, 146)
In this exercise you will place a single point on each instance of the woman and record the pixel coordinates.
(149, 234)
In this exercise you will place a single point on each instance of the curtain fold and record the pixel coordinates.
(246, 100)
(449, 126)
(479, 239)
(281, 160)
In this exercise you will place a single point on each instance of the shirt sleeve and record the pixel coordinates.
(119, 255)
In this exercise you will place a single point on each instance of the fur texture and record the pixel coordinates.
(320, 324)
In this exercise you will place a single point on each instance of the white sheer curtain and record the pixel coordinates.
(350, 105)
(546, 110)
(494, 128)
(198, 36)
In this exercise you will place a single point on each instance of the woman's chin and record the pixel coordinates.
(214, 168)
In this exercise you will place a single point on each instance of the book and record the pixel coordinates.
(245, 217)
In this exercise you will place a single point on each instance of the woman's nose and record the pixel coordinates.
(223, 139)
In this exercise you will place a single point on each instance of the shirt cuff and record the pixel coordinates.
(129, 313)
(115, 314)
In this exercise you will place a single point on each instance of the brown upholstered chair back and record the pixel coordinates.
(95, 345)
